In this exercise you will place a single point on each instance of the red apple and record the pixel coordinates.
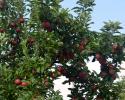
(110, 66)
(102, 61)
(18, 30)
(24, 84)
(100, 58)
(64, 72)
(17, 81)
(21, 20)
(47, 25)
(2, 30)
(83, 75)
(60, 69)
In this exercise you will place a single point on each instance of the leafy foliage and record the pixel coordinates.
(36, 34)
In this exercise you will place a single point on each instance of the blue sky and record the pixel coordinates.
(103, 11)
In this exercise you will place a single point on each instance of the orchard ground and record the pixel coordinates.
(92, 66)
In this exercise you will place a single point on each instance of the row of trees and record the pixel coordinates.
(36, 34)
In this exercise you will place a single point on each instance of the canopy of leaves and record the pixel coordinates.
(36, 34)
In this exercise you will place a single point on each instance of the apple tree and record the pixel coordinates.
(36, 34)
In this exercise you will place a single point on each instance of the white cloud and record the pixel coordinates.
(62, 88)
